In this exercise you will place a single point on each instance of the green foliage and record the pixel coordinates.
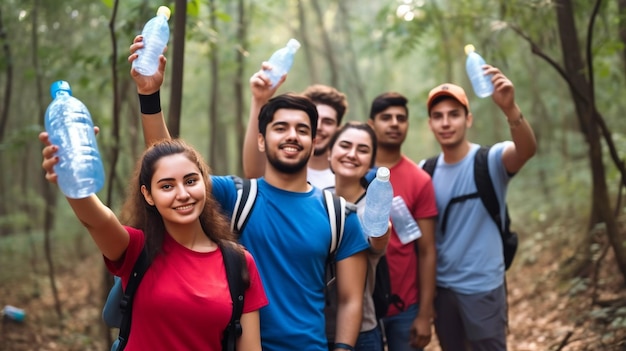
(405, 46)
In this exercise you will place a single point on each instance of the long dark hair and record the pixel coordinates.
(137, 213)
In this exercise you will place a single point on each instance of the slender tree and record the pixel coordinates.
(176, 65)
(239, 79)
(580, 79)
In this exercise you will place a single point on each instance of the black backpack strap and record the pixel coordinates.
(454, 200)
(430, 164)
(484, 186)
(126, 304)
(246, 197)
(235, 265)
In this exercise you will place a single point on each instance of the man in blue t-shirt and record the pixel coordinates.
(471, 298)
(288, 231)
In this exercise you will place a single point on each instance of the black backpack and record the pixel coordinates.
(487, 195)
(236, 273)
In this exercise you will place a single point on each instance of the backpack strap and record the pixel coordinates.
(234, 263)
(246, 197)
(126, 304)
(430, 165)
(484, 186)
(337, 218)
(337, 209)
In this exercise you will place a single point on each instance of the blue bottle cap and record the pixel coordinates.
(59, 85)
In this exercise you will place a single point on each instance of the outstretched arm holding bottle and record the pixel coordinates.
(148, 89)
(524, 143)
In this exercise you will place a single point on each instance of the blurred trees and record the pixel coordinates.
(569, 83)
(581, 42)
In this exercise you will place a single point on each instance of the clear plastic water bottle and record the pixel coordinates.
(474, 66)
(69, 126)
(155, 35)
(378, 200)
(13, 313)
(281, 61)
(403, 221)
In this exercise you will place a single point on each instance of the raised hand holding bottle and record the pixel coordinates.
(156, 34)
(281, 61)
(474, 66)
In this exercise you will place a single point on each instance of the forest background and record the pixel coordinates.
(567, 59)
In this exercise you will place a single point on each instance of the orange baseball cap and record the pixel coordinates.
(448, 89)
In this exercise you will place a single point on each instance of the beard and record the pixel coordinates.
(320, 151)
(287, 168)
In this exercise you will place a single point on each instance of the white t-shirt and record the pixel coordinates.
(321, 178)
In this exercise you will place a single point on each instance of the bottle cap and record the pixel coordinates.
(293, 43)
(383, 173)
(469, 48)
(165, 11)
(59, 85)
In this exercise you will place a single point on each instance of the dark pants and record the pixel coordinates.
(474, 322)
(370, 340)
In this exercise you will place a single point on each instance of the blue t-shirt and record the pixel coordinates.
(469, 253)
(288, 234)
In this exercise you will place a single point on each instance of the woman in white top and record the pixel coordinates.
(352, 155)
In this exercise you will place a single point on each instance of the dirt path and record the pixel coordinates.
(544, 314)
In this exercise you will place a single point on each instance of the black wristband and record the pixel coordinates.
(150, 104)
(340, 345)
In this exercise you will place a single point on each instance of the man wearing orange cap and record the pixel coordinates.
(471, 303)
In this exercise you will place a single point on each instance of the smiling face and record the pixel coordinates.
(326, 126)
(288, 141)
(449, 122)
(352, 154)
(177, 189)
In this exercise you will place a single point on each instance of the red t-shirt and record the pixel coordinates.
(183, 301)
(416, 188)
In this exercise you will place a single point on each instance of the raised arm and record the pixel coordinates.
(105, 229)
(524, 143)
(148, 89)
(262, 91)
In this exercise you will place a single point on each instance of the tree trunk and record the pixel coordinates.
(214, 95)
(356, 82)
(4, 112)
(49, 192)
(306, 44)
(240, 59)
(178, 58)
(328, 46)
(582, 93)
(621, 5)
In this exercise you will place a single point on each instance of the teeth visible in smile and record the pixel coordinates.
(291, 149)
(184, 207)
